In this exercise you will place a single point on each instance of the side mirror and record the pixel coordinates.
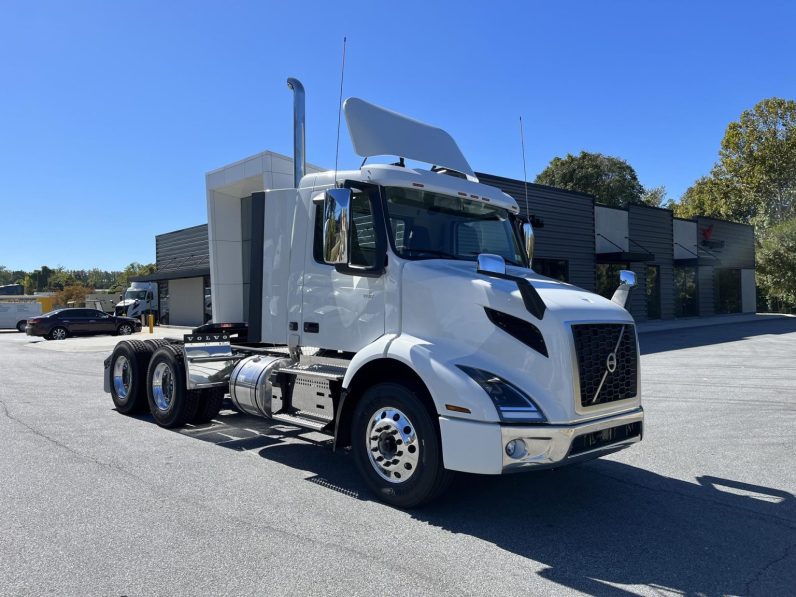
(528, 239)
(627, 277)
(487, 262)
(627, 280)
(336, 226)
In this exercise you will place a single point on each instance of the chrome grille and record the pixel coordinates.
(607, 362)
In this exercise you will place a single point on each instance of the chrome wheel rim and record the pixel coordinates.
(125, 330)
(122, 377)
(163, 386)
(59, 333)
(392, 444)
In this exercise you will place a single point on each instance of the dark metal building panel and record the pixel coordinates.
(733, 245)
(186, 249)
(650, 229)
(705, 282)
(568, 231)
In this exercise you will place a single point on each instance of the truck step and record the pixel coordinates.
(303, 419)
(323, 371)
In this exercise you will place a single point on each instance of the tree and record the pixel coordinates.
(133, 270)
(655, 197)
(27, 282)
(754, 180)
(6, 276)
(610, 180)
(73, 292)
(776, 267)
(758, 154)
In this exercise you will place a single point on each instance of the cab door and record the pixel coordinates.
(343, 306)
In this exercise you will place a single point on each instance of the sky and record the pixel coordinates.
(111, 113)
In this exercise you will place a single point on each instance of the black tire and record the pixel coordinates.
(58, 333)
(210, 402)
(429, 478)
(124, 329)
(21, 326)
(132, 397)
(181, 405)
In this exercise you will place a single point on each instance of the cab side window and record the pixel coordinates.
(363, 232)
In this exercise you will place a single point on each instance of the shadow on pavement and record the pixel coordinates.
(596, 528)
(652, 342)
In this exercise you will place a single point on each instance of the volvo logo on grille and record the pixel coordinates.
(610, 362)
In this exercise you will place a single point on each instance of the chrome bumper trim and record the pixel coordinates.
(549, 445)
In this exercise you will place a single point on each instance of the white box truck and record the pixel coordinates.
(15, 314)
(395, 309)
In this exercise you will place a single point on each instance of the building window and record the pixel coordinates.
(653, 289)
(685, 291)
(558, 269)
(727, 291)
(608, 278)
(163, 302)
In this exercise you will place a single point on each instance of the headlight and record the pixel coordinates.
(512, 404)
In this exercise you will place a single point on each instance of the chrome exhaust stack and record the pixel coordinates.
(299, 149)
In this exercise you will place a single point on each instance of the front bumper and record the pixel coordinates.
(481, 447)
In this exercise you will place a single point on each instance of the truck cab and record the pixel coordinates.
(141, 298)
(395, 309)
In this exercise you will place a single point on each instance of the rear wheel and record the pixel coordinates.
(128, 375)
(58, 333)
(396, 445)
(170, 403)
(21, 326)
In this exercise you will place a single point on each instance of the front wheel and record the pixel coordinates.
(396, 445)
(21, 326)
(124, 330)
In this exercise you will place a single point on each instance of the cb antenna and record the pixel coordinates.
(524, 171)
(339, 114)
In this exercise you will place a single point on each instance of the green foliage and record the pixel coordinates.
(121, 281)
(610, 180)
(46, 279)
(776, 263)
(754, 180)
(758, 156)
(655, 197)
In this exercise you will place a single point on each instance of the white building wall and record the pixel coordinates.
(186, 301)
(225, 188)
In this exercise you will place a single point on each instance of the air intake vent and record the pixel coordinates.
(522, 330)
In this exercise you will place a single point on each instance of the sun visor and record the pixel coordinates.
(378, 131)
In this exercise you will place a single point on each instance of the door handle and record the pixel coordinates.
(311, 327)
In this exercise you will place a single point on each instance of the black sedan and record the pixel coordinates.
(58, 324)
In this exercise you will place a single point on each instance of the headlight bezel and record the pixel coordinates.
(511, 403)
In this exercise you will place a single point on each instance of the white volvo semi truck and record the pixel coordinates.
(395, 309)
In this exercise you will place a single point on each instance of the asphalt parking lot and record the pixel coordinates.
(96, 503)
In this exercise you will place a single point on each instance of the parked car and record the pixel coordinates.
(58, 324)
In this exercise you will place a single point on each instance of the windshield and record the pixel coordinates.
(426, 225)
(139, 295)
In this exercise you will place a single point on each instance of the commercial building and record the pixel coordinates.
(684, 268)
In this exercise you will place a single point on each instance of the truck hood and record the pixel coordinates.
(564, 301)
(126, 302)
